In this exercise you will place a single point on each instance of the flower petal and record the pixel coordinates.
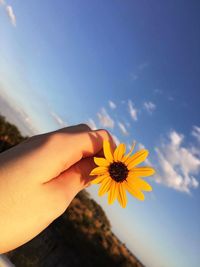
(122, 198)
(139, 183)
(128, 155)
(99, 179)
(112, 194)
(142, 171)
(99, 171)
(137, 158)
(101, 162)
(107, 151)
(134, 191)
(119, 152)
(105, 186)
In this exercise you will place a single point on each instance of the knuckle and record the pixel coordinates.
(105, 133)
(84, 126)
(36, 142)
(55, 138)
(48, 142)
(33, 138)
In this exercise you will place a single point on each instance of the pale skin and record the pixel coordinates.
(41, 176)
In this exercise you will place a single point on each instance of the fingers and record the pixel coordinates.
(79, 142)
(73, 180)
(75, 129)
(65, 147)
(91, 143)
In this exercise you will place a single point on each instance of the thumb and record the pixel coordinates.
(74, 179)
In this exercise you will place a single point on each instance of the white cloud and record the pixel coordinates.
(92, 124)
(9, 11)
(116, 139)
(11, 15)
(17, 115)
(58, 119)
(195, 151)
(112, 104)
(177, 164)
(123, 128)
(104, 119)
(140, 146)
(176, 138)
(128, 147)
(196, 133)
(134, 76)
(143, 66)
(149, 106)
(132, 110)
(147, 160)
(170, 98)
(158, 91)
(138, 71)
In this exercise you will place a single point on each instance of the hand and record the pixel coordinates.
(40, 177)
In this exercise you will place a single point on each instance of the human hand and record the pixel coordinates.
(40, 177)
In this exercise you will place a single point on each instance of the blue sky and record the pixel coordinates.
(133, 68)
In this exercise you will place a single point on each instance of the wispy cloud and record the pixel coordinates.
(116, 139)
(140, 146)
(104, 119)
(147, 160)
(92, 124)
(129, 146)
(127, 124)
(132, 110)
(170, 98)
(123, 129)
(16, 114)
(58, 119)
(149, 106)
(158, 91)
(196, 133)
(143, 65)
(177, 164)
(11, 15)
(112, 105)
(9, 11)
(134, 75)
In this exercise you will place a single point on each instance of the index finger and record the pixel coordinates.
(76, 146)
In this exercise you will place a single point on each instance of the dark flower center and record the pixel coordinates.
(118, 171)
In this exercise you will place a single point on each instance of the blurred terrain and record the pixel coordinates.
(82, 236)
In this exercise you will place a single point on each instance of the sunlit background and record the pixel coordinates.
(132, 67)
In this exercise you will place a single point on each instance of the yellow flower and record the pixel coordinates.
(117, 173)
